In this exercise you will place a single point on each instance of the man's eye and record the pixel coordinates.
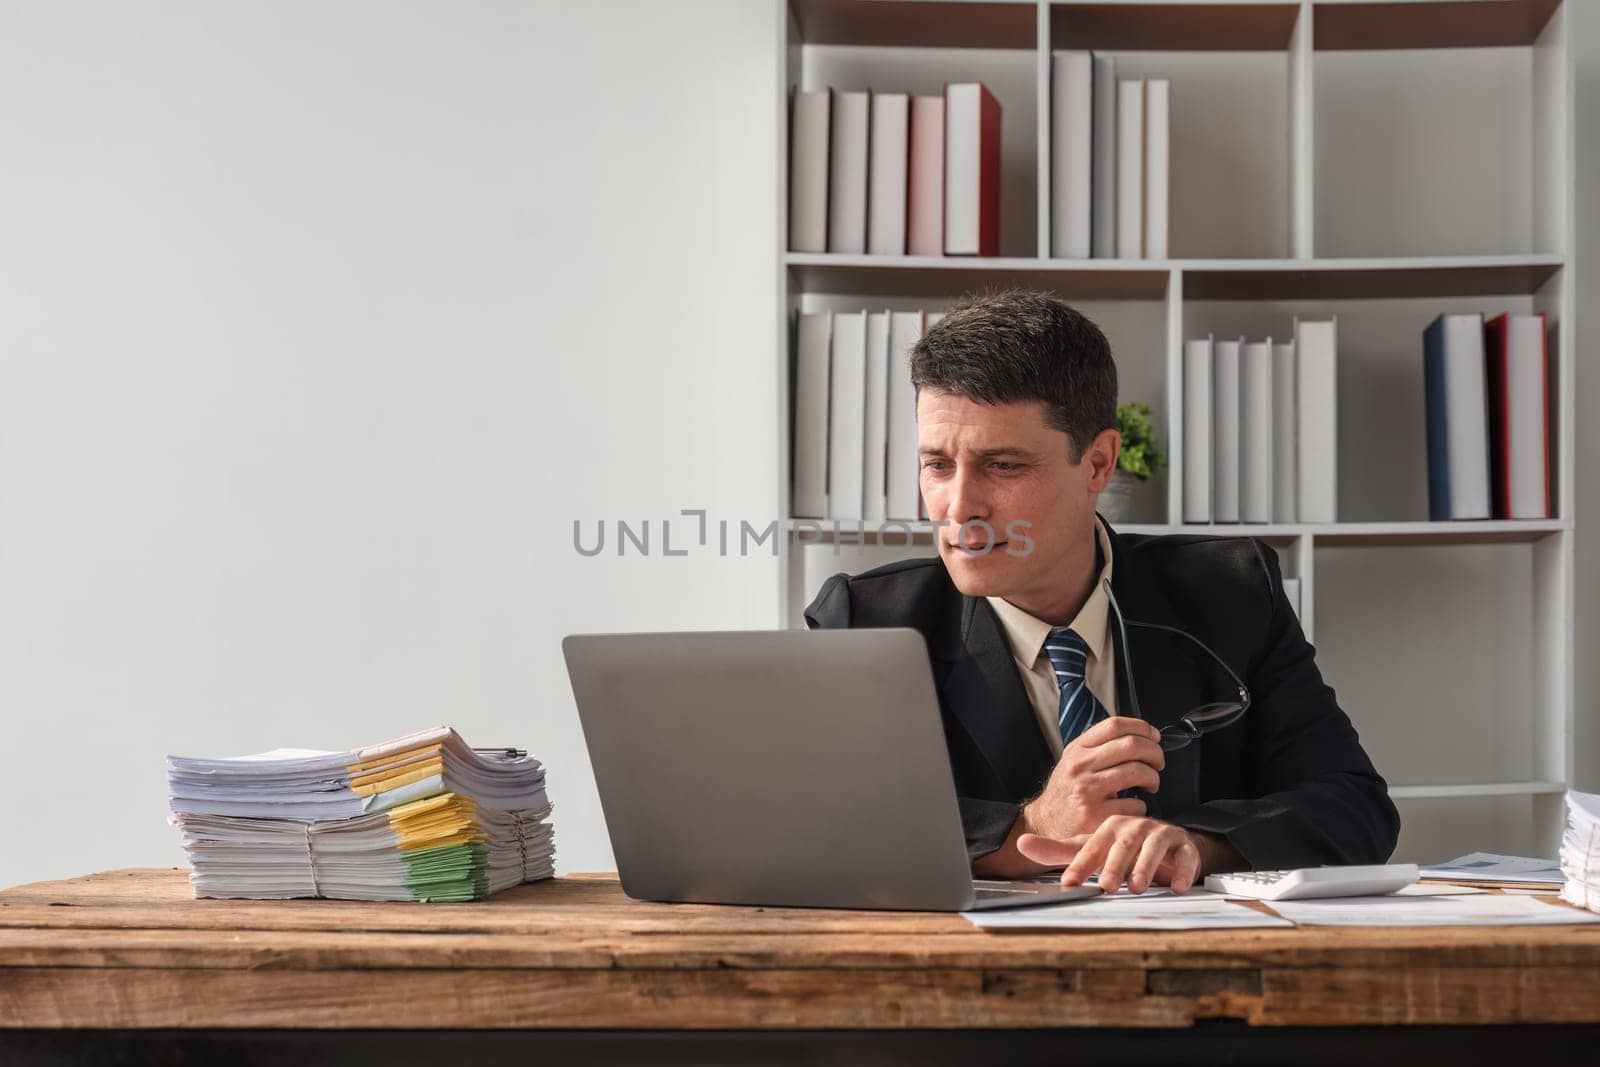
(1005, 468)
(933, 464)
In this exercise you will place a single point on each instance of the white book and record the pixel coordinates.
(847, 416)
(1156, 153)
(1464, 390)
(875, 438)
(971, 167)
(1291, 592)
(808, 171)
(1316, 343)
(1105, 157)
(1071, 153)
(1527, 378)
(810, 458)
(1225, 430)
(905, 330)
(929, 321)
(1285, 424)
(1197, 446)
(886, 208)
(847, 173)
(1255, 432)
(1130, 169)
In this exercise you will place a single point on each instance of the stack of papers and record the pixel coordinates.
(1490, 909)
(421, 817)
(1156, 909)
(1489, 869)
(1580, 851)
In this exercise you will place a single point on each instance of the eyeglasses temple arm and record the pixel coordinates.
(1244, 691)
(1127, 657)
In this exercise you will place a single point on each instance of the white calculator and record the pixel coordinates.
(1308, 882)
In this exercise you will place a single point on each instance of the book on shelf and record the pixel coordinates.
(1241, 443)
(1104, 190)
(1225, 430)
(1197, 431)
(1316, 345)
(809, 454)
(875, 427)
(808, 170)
(886, 169)
(847, 172)
(971, 170)
(1457, 413)
(903, 492)
(847, 411)
(1255, 431)
(1071, 154)
(1519, 416)
(929, 321)
(1130, 168)
(1156, 152)
(925, 180)
(1285, 434)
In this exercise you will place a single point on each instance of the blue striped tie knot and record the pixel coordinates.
(1078, 709)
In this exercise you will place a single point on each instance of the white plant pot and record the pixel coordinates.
(1116, 498)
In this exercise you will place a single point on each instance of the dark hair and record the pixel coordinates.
(1018, 345)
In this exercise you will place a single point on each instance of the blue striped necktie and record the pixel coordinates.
(1078, 710)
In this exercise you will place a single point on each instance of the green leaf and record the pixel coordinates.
(1140, 455)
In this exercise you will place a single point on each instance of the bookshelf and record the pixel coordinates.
(1327, 157)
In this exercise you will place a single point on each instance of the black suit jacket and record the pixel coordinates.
(1288, 785)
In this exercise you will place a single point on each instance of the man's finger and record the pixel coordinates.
(1120, 856)
(1116, 726)
(1050, 851)
(1091, 855)
(1122, 806)
(1127, 748)
(1188, 866)
(1113, 780)
(1156, 848)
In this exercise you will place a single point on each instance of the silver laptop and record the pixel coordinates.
(787, 767)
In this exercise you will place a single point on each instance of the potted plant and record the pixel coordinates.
(1139, 458)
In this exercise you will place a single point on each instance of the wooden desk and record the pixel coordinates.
(132, 950)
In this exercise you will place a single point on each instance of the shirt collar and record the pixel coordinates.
(1026, 633)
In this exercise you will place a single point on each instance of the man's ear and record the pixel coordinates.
(1101, 458)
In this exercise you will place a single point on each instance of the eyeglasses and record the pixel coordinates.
(1198, 722)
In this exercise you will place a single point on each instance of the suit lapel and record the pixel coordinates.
(985, 694)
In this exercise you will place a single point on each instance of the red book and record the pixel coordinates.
(971, 170)
(925, 195)
(1518, 380)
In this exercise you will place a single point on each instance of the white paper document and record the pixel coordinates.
(1488, 867)
(1487, 909)
(1434, 889)
(1158, 911)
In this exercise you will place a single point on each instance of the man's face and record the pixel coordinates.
(1002, 465)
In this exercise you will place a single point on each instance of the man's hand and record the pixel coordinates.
(1142, 851)
(1081, 793)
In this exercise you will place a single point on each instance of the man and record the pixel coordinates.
(1016, 416)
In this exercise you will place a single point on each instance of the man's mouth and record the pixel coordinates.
(978, 547)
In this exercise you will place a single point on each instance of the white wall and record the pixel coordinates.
(319, 324)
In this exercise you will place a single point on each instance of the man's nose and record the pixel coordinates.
(967, 498)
